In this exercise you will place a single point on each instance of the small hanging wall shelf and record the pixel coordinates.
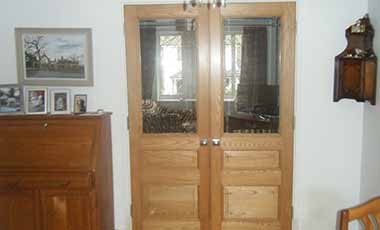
(355, 67)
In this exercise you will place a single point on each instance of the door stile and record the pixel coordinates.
(216, 118)
(132, 39)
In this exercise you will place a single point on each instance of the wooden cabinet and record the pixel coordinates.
(56, 173)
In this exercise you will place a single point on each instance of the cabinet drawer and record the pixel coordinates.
(46, 181)
(50, 144)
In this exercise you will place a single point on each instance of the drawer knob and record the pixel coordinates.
(46, 125)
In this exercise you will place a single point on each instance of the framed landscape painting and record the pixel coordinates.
(54, 57)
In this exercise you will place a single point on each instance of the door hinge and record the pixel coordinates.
(127, 122)
(294, 123)
(131, 210)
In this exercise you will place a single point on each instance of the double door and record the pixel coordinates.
(210, 94)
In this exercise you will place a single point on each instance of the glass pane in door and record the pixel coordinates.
(251, 75)
(169, 75)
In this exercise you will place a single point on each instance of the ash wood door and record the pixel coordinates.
(251, 167)
(210, 95)
(168, 82)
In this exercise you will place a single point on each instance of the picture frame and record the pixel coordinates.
(80, 103)
(54, 56)
(60, 101)
(11, 99)
(36, 100)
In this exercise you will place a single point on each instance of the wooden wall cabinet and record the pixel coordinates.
(356, 66)
(56, 173)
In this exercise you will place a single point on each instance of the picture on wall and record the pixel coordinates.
(54, 57)
(35, 100)
(10, 99)
(60, 101)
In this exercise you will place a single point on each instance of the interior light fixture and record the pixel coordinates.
(188, 4)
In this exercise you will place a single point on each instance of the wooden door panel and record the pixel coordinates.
(251, 159)
(171, 202)
(251, 225)
(170, 158)
(171, 225)
(250, 202)
(67, 210)
(18, 210)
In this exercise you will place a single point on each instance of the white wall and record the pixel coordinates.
(106, 20)
(370, 186)
(328, 135)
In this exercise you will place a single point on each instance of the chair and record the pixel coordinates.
(366, 213)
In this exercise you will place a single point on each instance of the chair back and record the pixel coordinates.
(368, 214)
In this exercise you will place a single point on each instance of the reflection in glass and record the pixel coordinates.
(251, 76)
(169, 68)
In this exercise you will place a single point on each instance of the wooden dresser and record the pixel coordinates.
(56, 173)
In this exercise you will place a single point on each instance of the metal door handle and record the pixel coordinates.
(216, 142)
(204, 142)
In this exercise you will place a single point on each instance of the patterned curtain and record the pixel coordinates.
(253, 67)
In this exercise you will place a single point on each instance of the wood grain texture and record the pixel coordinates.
(234, 225)
(171, 202)
(168, 159)
(62, 170)
(278, 172)
(242, 161)
(18, 210)
(251, 159)
(250, 202)
(171, 225)
(251, 177)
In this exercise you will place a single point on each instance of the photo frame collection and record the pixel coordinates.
(49, 57)
(15, 99)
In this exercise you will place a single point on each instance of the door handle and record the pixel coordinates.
(216, 142)
(204, 142)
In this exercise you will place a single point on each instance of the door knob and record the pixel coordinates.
(216, 142)
(204, 142)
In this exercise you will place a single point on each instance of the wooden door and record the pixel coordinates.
(67, 210)
(211, 135)
(251, 161)
(167, 59)
(18, 210)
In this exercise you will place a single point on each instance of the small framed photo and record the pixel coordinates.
(35, 100)
(80, 103)
(11, 100)
(60, 101)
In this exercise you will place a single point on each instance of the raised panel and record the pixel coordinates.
(170, 159)
(67, 210)
(251, 202)
(251, 159)
(251, 226)
(171, 202)
(18, 211)
(171, 225)
(252, 177)
(167, 176)
(23, 143)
